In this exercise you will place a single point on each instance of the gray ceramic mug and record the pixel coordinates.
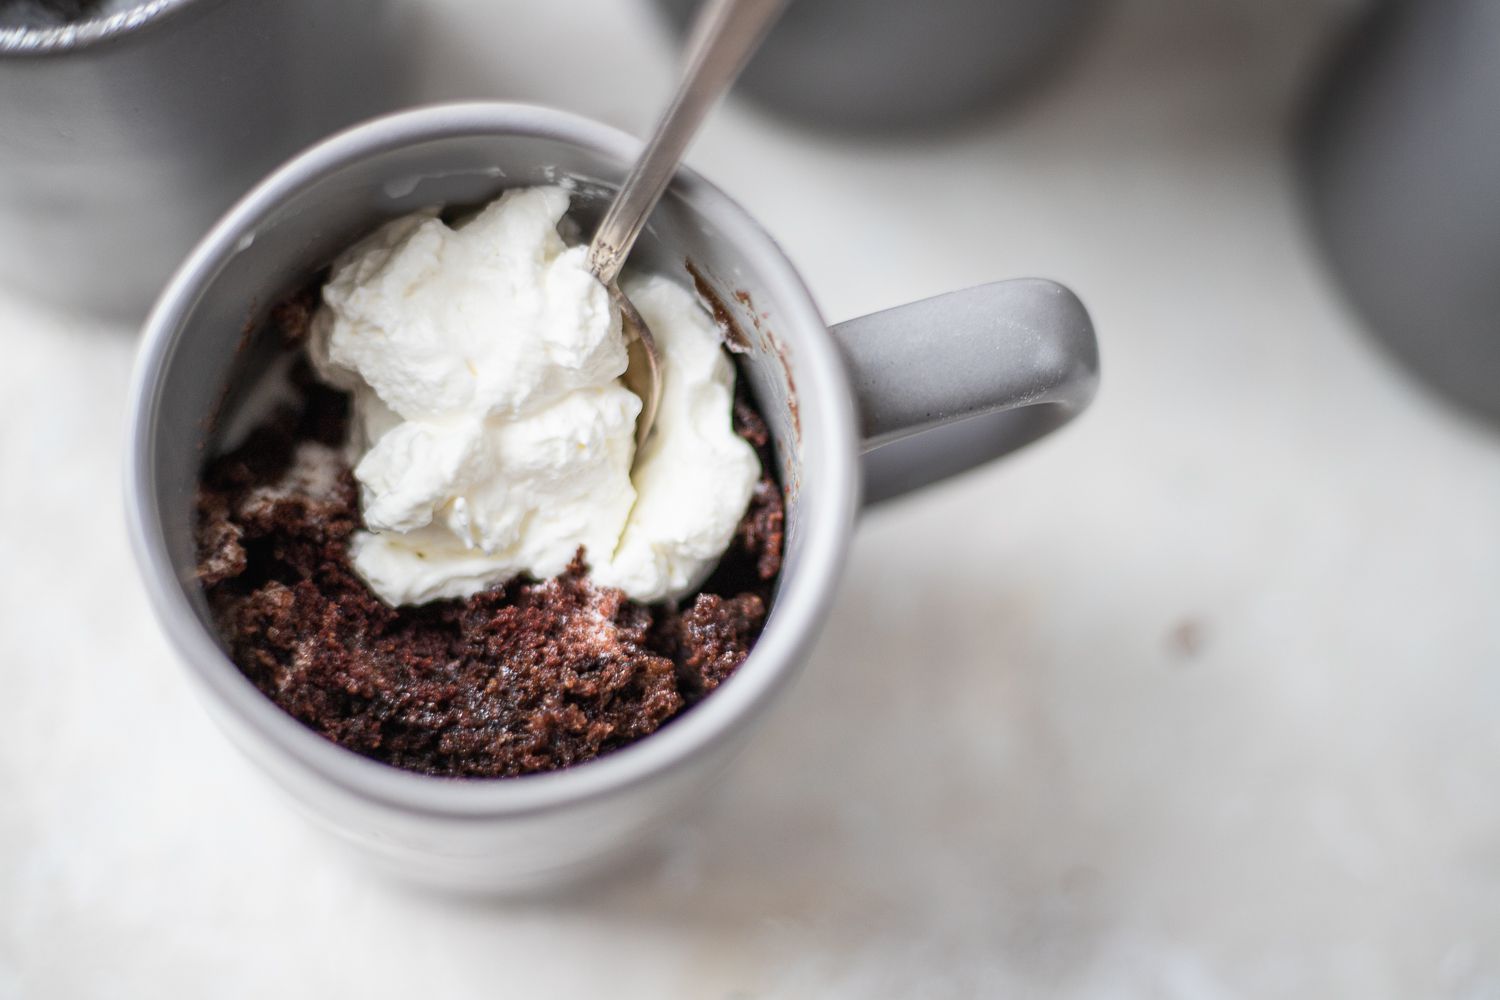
(1018, 358)
(122, 139)
(900, 64)
(1401, 168)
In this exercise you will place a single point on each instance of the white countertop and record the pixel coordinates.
(1200, 701)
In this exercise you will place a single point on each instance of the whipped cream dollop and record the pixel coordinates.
(491, 433)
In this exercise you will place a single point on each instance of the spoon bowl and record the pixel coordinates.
(643, 367)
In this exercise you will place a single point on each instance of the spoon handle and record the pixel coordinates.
(724, 35)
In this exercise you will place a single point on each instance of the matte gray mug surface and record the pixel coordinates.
(1018, 358)
(883, 64)
(123, 138)
(1400, 157)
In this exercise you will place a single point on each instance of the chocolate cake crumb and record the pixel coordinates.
(708, 639)
(220, 554)
(524, 677)
(292, 316)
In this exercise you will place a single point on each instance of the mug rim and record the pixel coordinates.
(66, 38)
(828, 515)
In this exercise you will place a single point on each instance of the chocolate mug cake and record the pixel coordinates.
(474, 616)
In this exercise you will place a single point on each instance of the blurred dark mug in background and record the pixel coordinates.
(127, 128)
(900, 64)
(1401, 161)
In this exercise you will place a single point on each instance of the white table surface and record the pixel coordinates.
(1198, 700)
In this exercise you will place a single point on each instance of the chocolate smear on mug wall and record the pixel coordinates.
(524, 677)
(738, 343)
(734, 337)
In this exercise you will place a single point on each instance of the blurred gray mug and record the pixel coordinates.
(997, 365)
(1401, 162)
(902, 64)
(122, 137)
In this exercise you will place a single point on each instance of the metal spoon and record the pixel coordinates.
(724, 35)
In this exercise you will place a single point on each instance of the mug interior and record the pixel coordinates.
(205, 338)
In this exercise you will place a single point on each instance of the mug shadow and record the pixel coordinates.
(913, 792)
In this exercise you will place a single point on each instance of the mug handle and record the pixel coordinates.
(953, 381)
